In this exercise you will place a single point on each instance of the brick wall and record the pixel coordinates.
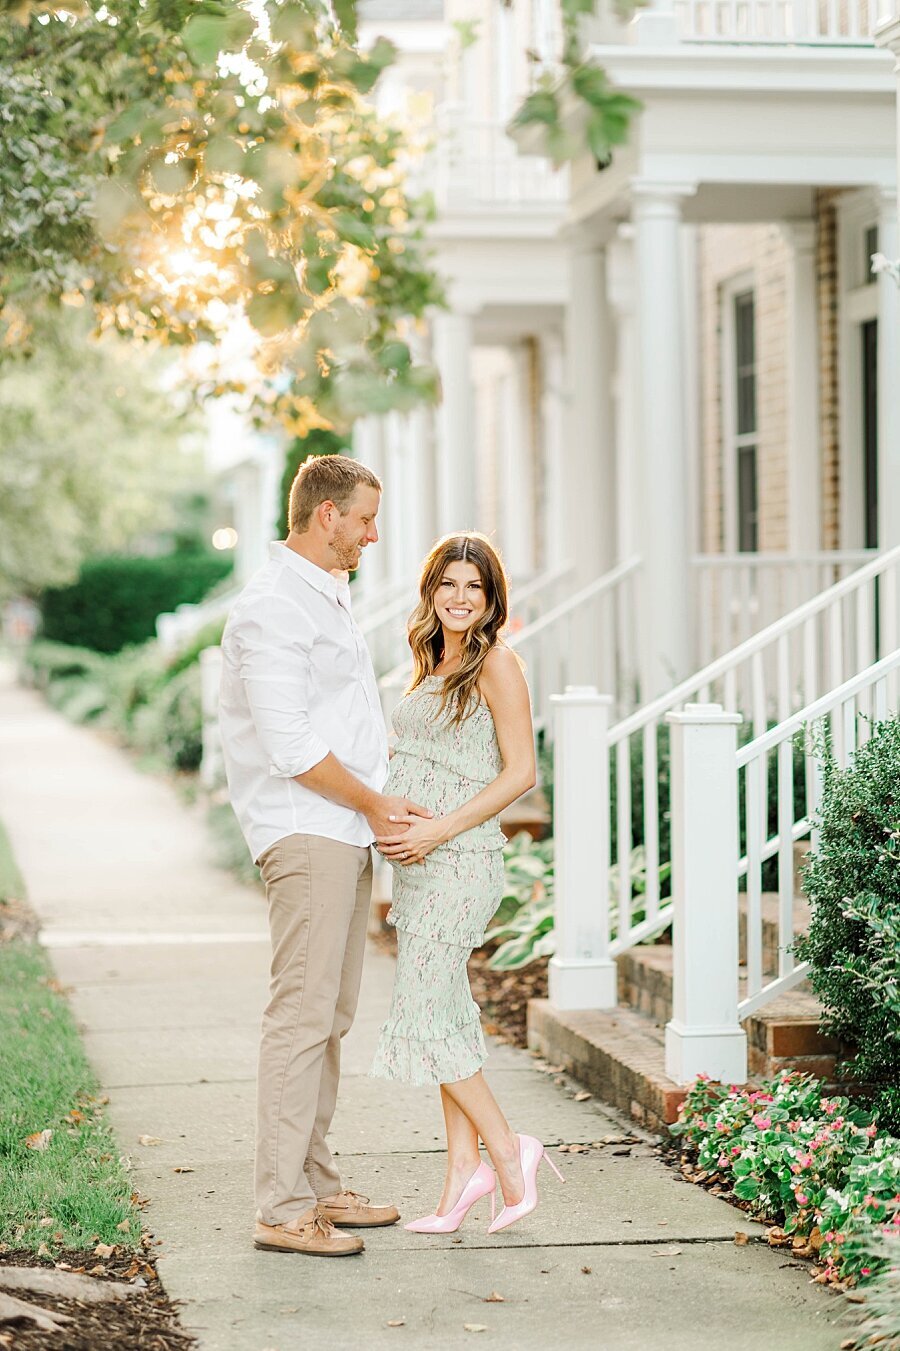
(760, 253)
(827, 305)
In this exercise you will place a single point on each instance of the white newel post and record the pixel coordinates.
(212, 767)
(704, 1035)
(582, 974)
(455, 422)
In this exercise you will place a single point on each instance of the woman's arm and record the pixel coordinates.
(505, 691)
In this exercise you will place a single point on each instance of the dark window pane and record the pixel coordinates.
(748, 520)
(870, 244)
(744, 329)
(870, 430)
(746, 403)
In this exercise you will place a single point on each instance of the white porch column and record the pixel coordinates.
(665, 587)
(582, 974)
(622, 299)
(373, 567)
(517, 466)
(590, 486)
(556, 544)
(455, 422)
(888, 369)
(804, 451)
(704, 1035)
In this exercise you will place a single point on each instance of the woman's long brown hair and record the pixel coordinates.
(426, 637)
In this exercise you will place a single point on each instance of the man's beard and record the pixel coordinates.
(345, 550)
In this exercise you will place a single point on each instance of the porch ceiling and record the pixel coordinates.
(748, 134)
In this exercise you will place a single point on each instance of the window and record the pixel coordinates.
(870, 245)
(745, 425)
(869, 332)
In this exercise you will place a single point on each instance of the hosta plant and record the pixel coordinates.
(526, 915)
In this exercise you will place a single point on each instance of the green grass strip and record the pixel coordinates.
(46, 1083)
(11, 883)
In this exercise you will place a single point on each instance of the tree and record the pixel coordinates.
(193, 169)
(91, 454)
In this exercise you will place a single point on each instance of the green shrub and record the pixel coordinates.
(853, 884)
(115, 601)
(171, 723)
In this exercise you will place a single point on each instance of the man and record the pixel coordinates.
(306, 758)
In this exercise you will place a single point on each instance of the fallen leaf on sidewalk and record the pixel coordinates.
(741, 1239)
(666, 1252)
(583, 1097)
(149, 1140)
(182, 1170)
(396, 1322)
(586, 1271)
(494, 1298)
(474, 1327)
(104, 1250)
(777, 1237)
(39, 1140)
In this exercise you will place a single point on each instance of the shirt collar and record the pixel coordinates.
(316, 577)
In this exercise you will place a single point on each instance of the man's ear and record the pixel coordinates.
(325, 512)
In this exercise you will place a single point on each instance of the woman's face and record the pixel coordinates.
(459, 599)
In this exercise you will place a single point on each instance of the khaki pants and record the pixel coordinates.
(318, 892)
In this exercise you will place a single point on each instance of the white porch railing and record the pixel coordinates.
(475, 164)
(741, 593)
(820, 22)
(592, 631)
(780, 670)
(705, 1033)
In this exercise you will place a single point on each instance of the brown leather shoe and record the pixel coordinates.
(311, 1233)
(349, 1210)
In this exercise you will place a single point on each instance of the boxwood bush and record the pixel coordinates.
(115, 601)
(853, 944)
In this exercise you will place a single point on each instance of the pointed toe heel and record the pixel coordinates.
(531, 1152)
(481, 1183)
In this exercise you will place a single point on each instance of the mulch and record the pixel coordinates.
(144, 1321)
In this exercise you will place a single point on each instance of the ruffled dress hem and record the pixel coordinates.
(439, 1060)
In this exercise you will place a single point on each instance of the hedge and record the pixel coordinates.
(116, 600)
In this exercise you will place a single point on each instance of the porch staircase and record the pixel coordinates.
(619, 1053)
(631, 1014)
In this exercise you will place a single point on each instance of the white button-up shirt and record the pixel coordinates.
(297, 682)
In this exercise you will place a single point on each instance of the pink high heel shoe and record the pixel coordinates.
(531, 1151)
(481, 1183)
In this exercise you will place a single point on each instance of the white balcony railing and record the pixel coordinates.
(475, 165)
(801, 22)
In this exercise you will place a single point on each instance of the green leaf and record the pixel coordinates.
(590, 84)
(394, 356)
(541, 106)
(295, 24)
(205, 35)
(273, 313)
(128, 123)
(747, 1189)
(353, 230)
(223, 155)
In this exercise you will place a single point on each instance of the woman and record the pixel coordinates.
(465, 749)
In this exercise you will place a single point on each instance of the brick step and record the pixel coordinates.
(645, 972)
(620, 1054)
(616, 1053)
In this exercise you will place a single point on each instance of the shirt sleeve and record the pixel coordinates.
(275, 650)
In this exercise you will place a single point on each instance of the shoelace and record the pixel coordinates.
(355, 1196)
(320, 1223)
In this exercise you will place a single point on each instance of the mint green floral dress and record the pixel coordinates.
(442, 905)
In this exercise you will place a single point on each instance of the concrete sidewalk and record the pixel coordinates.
(166, 957)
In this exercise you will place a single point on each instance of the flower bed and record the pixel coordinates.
(816, 1166)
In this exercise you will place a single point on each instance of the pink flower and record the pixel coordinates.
(865, 1271)
(804, 1160)
(872, 1201)
(801, 1198)
(681, 1107)
(721, 1125)
(762, 1122)
(736, 1149)
(871, 1131)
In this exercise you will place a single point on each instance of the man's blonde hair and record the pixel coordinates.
(326, 478)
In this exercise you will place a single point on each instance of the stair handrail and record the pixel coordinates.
(842, 705)
(597, 587)
(788, 623)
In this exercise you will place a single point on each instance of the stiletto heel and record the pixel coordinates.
(493, 1205)
(531, 1151)
(547, 1159)
(481, 1183)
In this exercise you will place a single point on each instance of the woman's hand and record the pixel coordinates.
(416, 842)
